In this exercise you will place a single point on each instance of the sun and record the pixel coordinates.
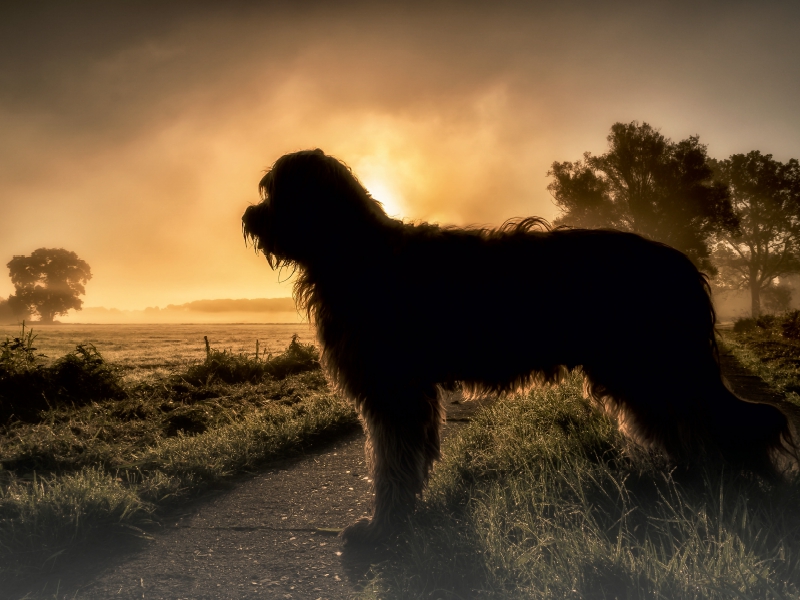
(384, 193)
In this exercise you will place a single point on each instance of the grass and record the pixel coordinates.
(770, 348)
(541, 498)
(77, 468)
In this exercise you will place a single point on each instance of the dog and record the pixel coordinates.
(403, 309)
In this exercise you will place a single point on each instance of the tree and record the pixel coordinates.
(48, 282)
(766, 198)
(650, 185)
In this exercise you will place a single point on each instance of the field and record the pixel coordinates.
(539, 497)
(156, 350)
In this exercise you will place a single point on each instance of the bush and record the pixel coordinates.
(788, 324)
(767, 321)
(20, 378)
(83, 376)
(745, 325)
(27, 387)
(231, 368)
(790, 328)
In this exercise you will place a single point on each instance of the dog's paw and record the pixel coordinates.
(365, 532)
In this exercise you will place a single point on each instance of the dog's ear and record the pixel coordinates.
(309, 201)
(319, 189)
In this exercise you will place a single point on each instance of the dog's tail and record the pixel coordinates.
(757, 437)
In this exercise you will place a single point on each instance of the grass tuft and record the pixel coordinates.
(42, 516)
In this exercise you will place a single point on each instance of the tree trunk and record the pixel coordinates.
(755, 299)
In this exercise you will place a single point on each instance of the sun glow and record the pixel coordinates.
(386, 195)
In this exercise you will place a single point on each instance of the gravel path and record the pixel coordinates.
(272, 536)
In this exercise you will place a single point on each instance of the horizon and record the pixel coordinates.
(136, 135)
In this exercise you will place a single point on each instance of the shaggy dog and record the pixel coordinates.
(402, 309)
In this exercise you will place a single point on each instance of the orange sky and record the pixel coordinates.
(135, 133)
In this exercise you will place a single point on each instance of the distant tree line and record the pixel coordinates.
(737, 219)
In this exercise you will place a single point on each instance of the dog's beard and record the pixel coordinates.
(255, 228)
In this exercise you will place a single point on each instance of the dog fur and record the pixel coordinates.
(402, 309)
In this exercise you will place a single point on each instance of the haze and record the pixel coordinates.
(135, 134)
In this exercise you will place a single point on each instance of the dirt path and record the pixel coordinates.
(269, 537)
(272, 536)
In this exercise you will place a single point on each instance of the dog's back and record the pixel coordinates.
(513, 300)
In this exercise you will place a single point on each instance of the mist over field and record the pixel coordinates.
(243, 310)
(135, 133)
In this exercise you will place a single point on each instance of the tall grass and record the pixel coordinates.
(541, 498)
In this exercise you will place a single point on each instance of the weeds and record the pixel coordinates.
(233, 368)
(28, 387)
(18, 355)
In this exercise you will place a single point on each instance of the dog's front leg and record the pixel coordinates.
(402, 443)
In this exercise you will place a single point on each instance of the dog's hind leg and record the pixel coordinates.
(753, 436)
(403, 438)
(682, 408)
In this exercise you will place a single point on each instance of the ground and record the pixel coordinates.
(272, 535)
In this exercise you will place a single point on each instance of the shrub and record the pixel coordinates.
(82, 376)
(767, 321)
(790, 328)
(20, 378)
(18, 355)
(231, 368)
(297, 358)
(745, 325)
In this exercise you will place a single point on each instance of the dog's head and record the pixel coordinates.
(311, 205)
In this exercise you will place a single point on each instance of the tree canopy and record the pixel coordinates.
(647, 184)
(766, 199)
(49, 282)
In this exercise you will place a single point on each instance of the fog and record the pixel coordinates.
(135, 133)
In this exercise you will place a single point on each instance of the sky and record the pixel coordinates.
(135, 133)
